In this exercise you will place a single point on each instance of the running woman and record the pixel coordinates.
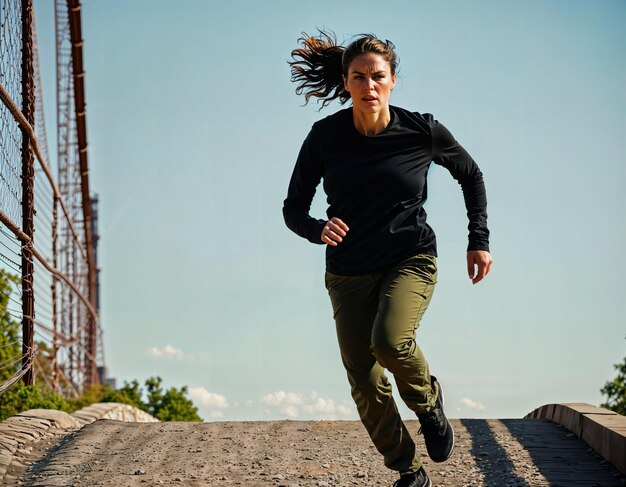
(381, 264)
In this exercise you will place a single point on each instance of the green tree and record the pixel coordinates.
(615, 390)
(90, 395)
(131, 394)
(20, 397)
(171, 405)
(10, 343)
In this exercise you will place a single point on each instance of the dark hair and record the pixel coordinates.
(319, 64)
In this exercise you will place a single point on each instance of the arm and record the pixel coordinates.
(448, 153)
(306, 176)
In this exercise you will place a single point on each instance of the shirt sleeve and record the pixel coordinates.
(306, 176)
(447, 152)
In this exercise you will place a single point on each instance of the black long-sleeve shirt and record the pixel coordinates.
(377, 186)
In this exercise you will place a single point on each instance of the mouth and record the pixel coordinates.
(369, 99)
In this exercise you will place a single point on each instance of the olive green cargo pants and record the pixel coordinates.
(376, 316)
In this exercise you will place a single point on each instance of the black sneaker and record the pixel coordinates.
(415, 479)
(437, 430)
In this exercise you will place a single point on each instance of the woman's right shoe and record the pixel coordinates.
(414, 479)
(437, 430)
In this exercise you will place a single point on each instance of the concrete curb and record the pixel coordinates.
(602, 429)
(19, 432)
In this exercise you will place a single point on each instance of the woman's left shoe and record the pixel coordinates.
(415, 479)
(437, 430)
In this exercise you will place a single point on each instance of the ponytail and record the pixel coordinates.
(320, 64)
(317, 68)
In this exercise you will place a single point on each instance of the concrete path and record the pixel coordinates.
(498, 453)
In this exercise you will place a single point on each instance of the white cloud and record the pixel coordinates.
(290, 411)
(295, 405)
(204, 398)
(215, 414)
(282, 398)
(167, 351)
(322, 406)
(344, 410)
(469, 403)
(170, 352)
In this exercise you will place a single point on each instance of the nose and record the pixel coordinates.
(369, 84)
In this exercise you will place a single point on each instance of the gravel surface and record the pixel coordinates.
(498, 453)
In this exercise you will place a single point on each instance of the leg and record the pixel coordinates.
(405, 293)
(355, 303)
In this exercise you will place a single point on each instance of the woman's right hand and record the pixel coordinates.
(334, 231)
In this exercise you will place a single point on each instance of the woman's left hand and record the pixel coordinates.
(478, 264)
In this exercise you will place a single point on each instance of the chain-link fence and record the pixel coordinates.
(48, 316)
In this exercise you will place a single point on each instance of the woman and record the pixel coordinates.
(381, 253)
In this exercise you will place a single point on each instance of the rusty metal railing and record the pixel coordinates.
(51, 251)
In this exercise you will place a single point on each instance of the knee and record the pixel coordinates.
(391, 350)
(369, 382)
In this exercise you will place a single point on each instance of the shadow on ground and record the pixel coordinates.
(561, 457)
(491, 458)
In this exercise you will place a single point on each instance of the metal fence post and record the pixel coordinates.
(28, 180)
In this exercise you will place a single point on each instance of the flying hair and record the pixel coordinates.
(318, 66)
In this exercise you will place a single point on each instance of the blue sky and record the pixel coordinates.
(193, 130)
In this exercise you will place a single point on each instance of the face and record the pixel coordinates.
(369, 82)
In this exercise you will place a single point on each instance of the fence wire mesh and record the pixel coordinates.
(60, 353)
(10, 133)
